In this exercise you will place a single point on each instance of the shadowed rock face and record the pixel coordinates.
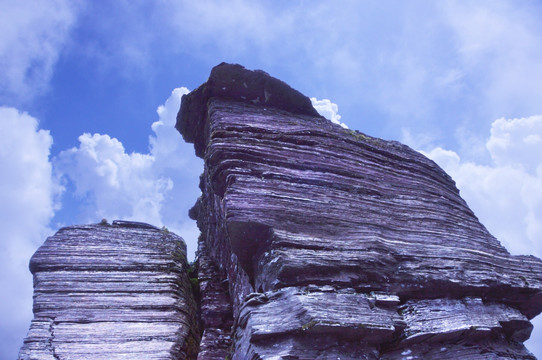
(117, 291)
(323, 243)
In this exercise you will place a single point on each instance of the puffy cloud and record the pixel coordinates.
(32, 34)
(517, 142)
(118, 185)
(507, 194)
(328, 110)
(27, 193)
(166, 142)
(113, 184)
(175, 159)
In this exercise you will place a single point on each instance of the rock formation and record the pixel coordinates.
(118, 291)
(317, 242)
(324, 243)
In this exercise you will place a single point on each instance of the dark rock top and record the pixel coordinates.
(321, 242)
(234, 82)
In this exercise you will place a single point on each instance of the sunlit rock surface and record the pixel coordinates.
(323, 243)
(118, 291)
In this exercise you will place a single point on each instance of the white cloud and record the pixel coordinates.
(119, 185)
(157, 187)
(176, 159)
(517, 143)
(507, 194)
(32, 34)
(328, 110)
(27, 193)
(166, 143)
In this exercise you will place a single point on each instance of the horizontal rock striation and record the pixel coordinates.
(118, 291)
(334, 244)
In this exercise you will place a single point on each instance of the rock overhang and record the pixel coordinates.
(234, 82)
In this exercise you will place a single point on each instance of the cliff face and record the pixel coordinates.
(320, 242)
(117, 291)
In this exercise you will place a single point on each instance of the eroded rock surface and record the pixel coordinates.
(334, 244)
(117, 291)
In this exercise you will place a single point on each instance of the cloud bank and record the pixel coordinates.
(27, 195)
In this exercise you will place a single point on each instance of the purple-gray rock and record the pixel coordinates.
(320, 242)
(118, 291)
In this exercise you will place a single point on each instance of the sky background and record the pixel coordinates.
(89, 91)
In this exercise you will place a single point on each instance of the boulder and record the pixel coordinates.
(112, 291)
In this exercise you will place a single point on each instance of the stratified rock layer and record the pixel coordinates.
(117, 291)
(334, 244)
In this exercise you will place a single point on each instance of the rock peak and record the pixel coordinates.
(235, 82)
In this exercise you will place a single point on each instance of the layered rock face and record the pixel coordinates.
(118, 291)
(324, 243)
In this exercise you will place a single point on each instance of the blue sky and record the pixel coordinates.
(90, 90)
